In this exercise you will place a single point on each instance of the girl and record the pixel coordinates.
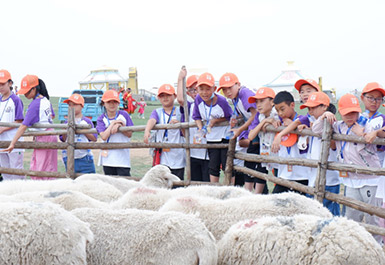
(39, 111)
(115, 161)
(213, 109)
(142, 104)
(11, 110)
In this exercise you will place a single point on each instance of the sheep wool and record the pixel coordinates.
(147, 237)
(301, 239)
(220, 215)
(39, 234)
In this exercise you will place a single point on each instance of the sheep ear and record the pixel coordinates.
(171, 178)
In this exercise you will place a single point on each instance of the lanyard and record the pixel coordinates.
(289, 148)
(164, 121)
(374, 116)
(343, 145)
(37, 94)
(208, 117)
(6, 104)
(108, 120)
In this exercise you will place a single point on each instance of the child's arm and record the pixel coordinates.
(246, 125)
(254, 132)
(199, 124)
(111, 129)
(277, 140)
(147, 132)
(318, 125)
(370, 137)
(179, 89)
(215, 121)
(18, 134)
(91, 137)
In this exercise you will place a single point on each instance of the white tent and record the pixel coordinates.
(104, 78)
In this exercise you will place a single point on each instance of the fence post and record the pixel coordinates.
(320, 181)
(71, 143)
(187, 132)
(230, 162)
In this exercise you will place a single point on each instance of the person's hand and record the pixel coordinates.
(301, 127)
(276, 145)
(174, 121)
(370, 137)
(146, 136)
(182, 73)
(330, 117)
(358, 130)
(286, 122)
(115, 127)
(237, 132)
(9, 149)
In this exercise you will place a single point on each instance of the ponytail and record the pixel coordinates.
(332, 108)
(41, 89)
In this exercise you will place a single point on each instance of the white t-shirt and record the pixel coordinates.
(292, 172)
(195, 153)
(115, 157)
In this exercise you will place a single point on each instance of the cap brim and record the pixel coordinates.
(302, 82)
(66, 101)
(309, 105)
(252, 99)
(205, 83)
(23, 91)
(348, 110)
(166, 92)
(290, 140)
(111, 99)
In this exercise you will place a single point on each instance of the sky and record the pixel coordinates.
(62, 41)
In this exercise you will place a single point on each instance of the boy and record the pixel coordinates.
(213, 109)
(305, 87)
(284, 104)
(239, 95)
(84, 160)
(168, 114)
(199, 158)
(318, 104)
(264, 102)
(358, 186)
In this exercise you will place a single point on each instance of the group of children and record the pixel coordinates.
(209, 109)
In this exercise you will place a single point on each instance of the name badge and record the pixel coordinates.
(290, 168)
(343, 174)
(104, 153)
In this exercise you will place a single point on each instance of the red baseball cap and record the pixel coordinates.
(348, 103)
(206, 79)
(111, 95)
(227, 80)
(316, 99)
(263, 92)
(302, 82)
(191, 80)
(5, 76)
(75, 98)
(373, 86)
(27, 83)
(167, 89)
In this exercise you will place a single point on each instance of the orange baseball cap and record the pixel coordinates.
(191, 80)
(206, 79)
(316, 99)
(263, 92)
(75, 98)
(5, 76)
(167, 89)
(227, 80)
(111, 95)
(311, 82)
(289, 139)
(27, 83)
(373, 86)
(348, 103)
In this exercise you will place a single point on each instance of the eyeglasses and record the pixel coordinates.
(192, 90)
(372, 99)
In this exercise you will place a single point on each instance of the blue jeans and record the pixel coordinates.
(83, 165)
(333, 207)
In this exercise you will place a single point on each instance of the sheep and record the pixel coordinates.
(41, 233)
(153, 198)
(158, 176)
(300, 239)
(147, 237)
(97, 189)
(219, 215)
(69, 200)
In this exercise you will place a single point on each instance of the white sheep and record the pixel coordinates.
(32, 233)
(69, 200)
(147, 237)
(97, 189)
(300, 239)
(158, 176)
(153, 198)
(219, 215)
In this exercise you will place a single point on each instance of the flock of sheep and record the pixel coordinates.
(97, 219)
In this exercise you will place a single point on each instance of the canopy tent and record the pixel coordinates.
(104, 78)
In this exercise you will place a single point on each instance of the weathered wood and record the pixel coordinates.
(38, 125)
(25, 172)
(187, 132)
(320, 182)
(143, 145)
(230, 162)
(71, 143)
(34, 145)
(374, 229)
(41, 133)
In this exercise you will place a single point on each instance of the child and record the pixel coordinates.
(318, 104)
(284, 104)
(173, 158)
(199, 158)
(142, 104)
(265, 115)
(115, 162)
(84, 160)
(131, 102)
(361, 187)
(39, 111)
(11, 109)
(372, 96)
(213, 109)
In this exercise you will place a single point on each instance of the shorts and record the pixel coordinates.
(199, 169)
(217, 157)
(83, 165)
(179, 172)
(254, 149)
(280, 189)
(117, 171)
